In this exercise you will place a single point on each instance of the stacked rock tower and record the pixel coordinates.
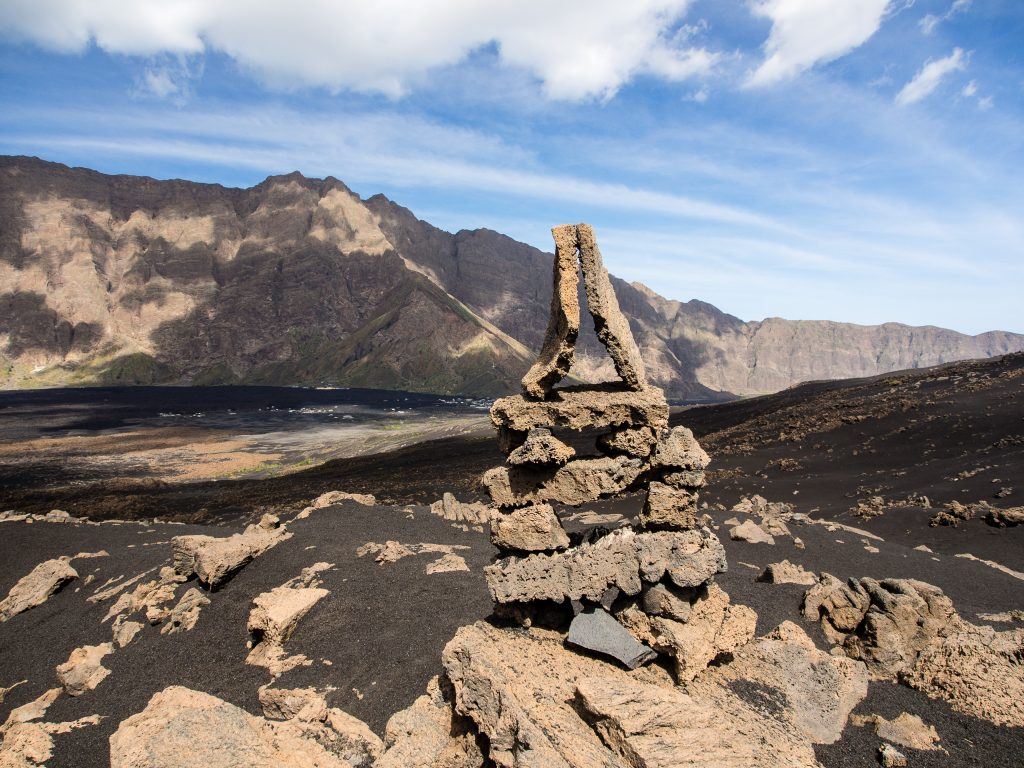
(637, 450)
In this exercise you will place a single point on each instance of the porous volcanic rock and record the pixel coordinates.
(582, 408)
(35, 588)
(213, 559)
(622, 559)
(84, 668)
(573, 484)
(787, 573)
(631, 441)
(668, 507)
(182, 728)
(529, 529)
(750, 532)
(610, 324)
(909, 630)
(556, 354)
(678, 449)
(541, 448)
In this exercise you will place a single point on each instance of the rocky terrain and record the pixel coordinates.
(828, 576)
(128, 280)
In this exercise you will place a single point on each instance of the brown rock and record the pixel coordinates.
(125, 631)
(273, 619)
(890, 757)
(181, 728)
(529, 529)
(575, 483)
(751, 532)
(905, 729)
(787, 573)
(631, 441)
(429, 734)
(447, 564)
(713, 627)
(668, 507)
(662, 600)
(610, 324)
(471, 514)
(555, 358)
(293, 704)
(622, 559)
(541, 448)
(677, 449)
(582, 408)
(35, 588)
(84, 668)
(185, 614)
(213, 559)
(1003, 518)
(685, 478)
(815, 691)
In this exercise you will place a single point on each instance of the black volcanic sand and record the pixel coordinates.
(386, 624)
(381, 628)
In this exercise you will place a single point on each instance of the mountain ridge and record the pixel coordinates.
(128, 279)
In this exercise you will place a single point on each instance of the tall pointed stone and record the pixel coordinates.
(611, 325)
(556, 354)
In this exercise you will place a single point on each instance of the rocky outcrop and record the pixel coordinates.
(787, 573)
(529, 529)
(909, 630)
(273, 619)
(330, 498)
(36, 588)
(181, 727)
(213, 559)
(84, 669)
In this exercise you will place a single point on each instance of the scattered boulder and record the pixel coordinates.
(214, 559)
(182, 728)
(37, 587)
(333, 497)
(1003, 518)
(125, 631)
(905, 729)
(468, 515)
(890, 757)
(622, 559)
(750, 532)
(541, 448)
(787, 573)
(447, 564)
(183, 617)
(535, 528)
(595, 630)
(910, 631)
(84, 668)
(389, 552)
(33, 710)
(273, 619)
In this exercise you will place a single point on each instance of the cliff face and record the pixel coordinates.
(121, 279)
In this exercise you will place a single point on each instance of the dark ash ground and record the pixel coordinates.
(822, 447)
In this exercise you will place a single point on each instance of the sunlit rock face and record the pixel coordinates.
(122, 279)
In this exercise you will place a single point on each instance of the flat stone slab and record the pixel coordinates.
(596, 630)
(583, 407)
(623, 559)
(573, 484)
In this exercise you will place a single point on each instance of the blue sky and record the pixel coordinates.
(856, 160)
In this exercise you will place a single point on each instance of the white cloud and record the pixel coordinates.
(930, 21)
(808, 32)
(969, 90)
(985, 103)
(930, 76)
(577, 49)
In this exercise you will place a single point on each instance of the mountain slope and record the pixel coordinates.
(123, 279)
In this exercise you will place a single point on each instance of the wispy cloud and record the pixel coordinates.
(930, 21)
(930, 76)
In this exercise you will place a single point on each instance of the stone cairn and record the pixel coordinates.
(667, 558)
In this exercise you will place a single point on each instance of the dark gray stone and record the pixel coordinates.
(596, 630)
